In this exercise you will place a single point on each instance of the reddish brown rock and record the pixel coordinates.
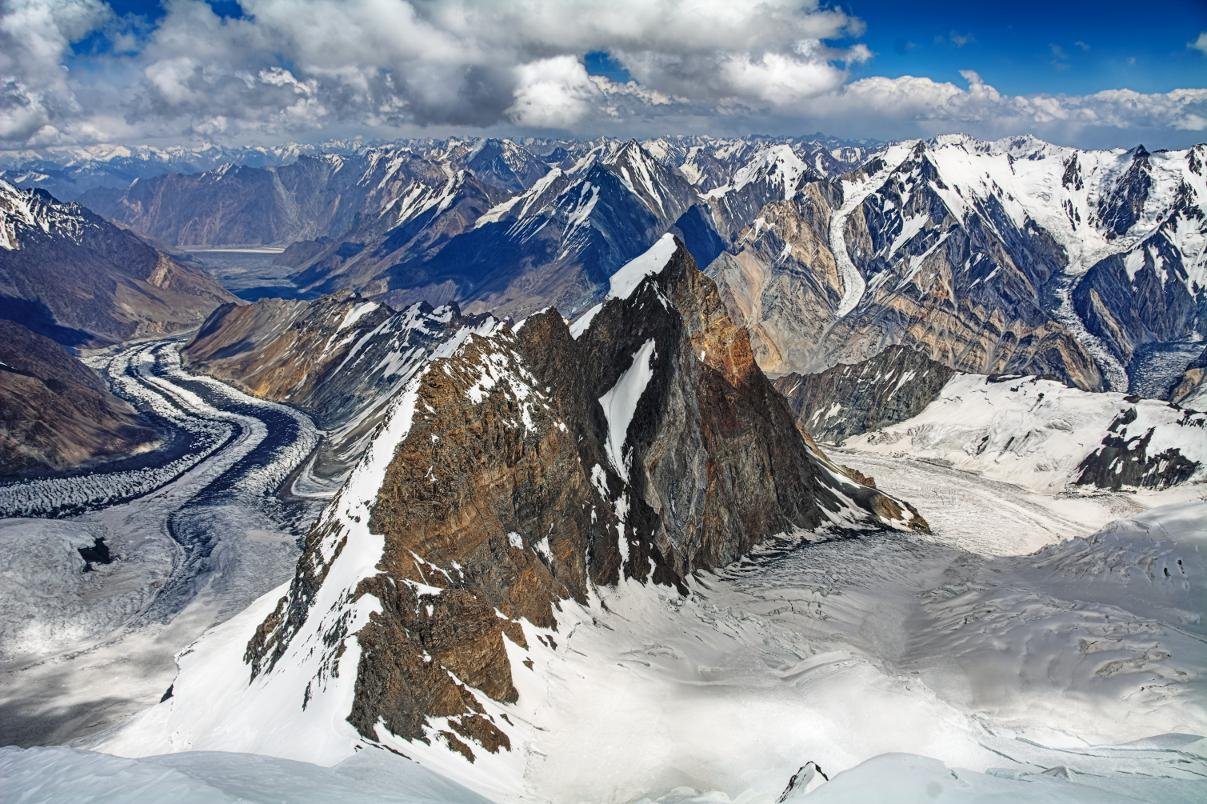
(501, 500)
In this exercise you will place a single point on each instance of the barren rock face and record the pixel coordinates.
(1190, 389)
(339, 358)
(849, 399)
(56, 412)
(534, 466)
(958, 249)
(77, 278)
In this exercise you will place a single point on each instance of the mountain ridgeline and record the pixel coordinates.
(73, 276)
(520, 466)
(1006, 256)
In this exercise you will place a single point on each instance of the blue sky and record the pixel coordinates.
(75, 72)
(1024, 46)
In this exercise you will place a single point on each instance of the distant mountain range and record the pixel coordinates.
(1014, 255)
(72, 275)
(522, 466)
(990, 256)
(1006, 256)
(69, 278)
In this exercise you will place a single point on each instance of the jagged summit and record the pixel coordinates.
(1014, 255)
(518, 471)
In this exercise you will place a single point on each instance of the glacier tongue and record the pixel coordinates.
(854, 193)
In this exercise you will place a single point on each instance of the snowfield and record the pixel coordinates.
(1025, 659)
(1038, 644)
(1031, 431)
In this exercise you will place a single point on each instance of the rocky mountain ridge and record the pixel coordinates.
(55, 412)
(340, 359)
(847, 400)
(1014, 255)
(1006, 256)
(522, 466)
(70, 274)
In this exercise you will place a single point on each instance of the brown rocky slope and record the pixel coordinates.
(55, 412)
(72, 275)
(525, 466)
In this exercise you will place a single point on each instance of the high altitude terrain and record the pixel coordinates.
(687, 468)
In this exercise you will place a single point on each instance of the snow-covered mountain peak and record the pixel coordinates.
(778, 165)
(26, 211)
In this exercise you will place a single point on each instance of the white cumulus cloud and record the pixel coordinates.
(305, 69)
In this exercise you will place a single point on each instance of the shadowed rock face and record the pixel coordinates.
(1152, 293)
(55, 413)
(83, 279)
(847, 400)
(514, 489)
(1190, 389)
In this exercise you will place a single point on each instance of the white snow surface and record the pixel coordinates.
(628, 277)
(67, 774)
(1004, 648)
(356, 313)
(214, 707)
(651, 261)
(620, 403)
(778, 164)
(1029, 431)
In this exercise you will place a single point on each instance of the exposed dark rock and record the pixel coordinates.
(847, 400)
(507, 495)
(1124, 460)
(76, 277)
(1190, 387)
(95, 553)
(55, 412)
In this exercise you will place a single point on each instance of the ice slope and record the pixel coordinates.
(1028, 431)
(620, 402)
(908, 777)
(997, 661)
(66, 774)
(79, 650)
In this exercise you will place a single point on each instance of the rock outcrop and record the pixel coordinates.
(1191, 389)
(847, 400)
(339, 358)
(75, 277)
(1135, 454)
(527, 465)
